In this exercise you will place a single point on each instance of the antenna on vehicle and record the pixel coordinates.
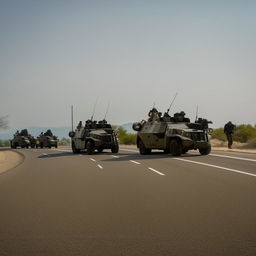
(94, 108)
(196, 112)
(72, 118)
(106, 111)
(172, 103)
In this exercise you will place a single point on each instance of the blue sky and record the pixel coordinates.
(131, 53)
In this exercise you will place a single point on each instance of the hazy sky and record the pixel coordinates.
(131, 53)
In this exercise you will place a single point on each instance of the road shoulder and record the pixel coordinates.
(9, 159)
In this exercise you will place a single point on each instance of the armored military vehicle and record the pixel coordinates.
(21, 139)
(94, 136)
(47, 140)
(175, 135)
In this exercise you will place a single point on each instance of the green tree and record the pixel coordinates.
(124, 137)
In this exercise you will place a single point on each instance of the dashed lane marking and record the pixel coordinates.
(115, 156)
(153, 170)
(216, 166)
(100, 166)
(92, 159)
(135, 162)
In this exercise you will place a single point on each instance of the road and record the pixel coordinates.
(58, 203)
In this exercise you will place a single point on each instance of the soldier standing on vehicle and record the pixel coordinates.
(229, 130)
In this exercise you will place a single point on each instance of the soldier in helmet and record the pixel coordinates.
(229, 130)
(80, 125)
(153, 114)
(48, 133)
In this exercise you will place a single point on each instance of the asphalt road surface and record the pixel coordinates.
(58, 203)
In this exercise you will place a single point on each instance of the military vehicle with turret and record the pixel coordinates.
(21, 139)
(94, 136)
(172, 134)
(47, 140)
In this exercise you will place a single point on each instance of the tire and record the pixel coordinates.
(175, 148)
(100, 150)
(50, 147)
(74, 149)
(71, 134)
(41, 145)
(167, 151)
(137, 126)
(56, 146)
(184, 151)
(205, 151)
(90, 147)
(143, 149)
(115, 149)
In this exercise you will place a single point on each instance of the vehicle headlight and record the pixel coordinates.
(185, 134)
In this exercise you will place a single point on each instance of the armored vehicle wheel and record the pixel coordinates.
(74, 149)
(115, 149)
(184, 151)
(167, 151)
(27, 146)
(137, 127)
(143, 149)
(56, 146)
(205, 151)
(100, 149)
(90, 147)
(41, 145)
(175, 148)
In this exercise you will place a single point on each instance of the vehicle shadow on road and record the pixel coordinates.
(63, 154)
(153, 155)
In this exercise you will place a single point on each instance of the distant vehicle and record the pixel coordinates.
(175, 135)
(47, 140)
(94, 136)
(21, 139)
(33, 141)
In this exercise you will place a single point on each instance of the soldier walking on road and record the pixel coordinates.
(229, 130)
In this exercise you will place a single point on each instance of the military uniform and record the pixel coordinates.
(229, 130)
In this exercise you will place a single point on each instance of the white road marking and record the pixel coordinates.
(44, 154)
(115, 156)
(93, 159)
(100, 166)
(129, 150)
(62, 150)
(135, 162)
(216, 166)
(153, 170)
(234, 157)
